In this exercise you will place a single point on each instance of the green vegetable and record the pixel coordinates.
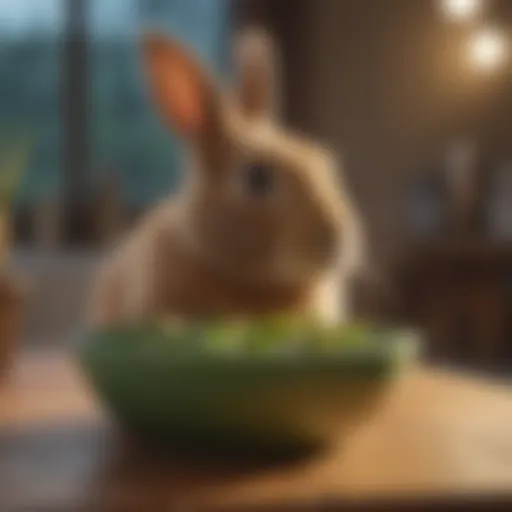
(263, 337)
(270, 337)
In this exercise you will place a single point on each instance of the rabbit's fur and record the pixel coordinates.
(262, 222)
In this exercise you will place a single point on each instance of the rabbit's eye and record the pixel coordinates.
(258, 180)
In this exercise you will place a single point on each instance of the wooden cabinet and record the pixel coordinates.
(460, 294)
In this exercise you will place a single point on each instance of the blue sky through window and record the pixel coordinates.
(21, 17)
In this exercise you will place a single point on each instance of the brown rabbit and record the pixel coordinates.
(261, 223)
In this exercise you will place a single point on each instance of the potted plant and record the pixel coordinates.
(12, 288)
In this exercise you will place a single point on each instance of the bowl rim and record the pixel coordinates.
(390, 357)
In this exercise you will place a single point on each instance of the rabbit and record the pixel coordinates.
(262, 222)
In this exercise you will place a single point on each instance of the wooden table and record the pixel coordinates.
(436, 435)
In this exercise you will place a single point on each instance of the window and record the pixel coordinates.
(71, 77)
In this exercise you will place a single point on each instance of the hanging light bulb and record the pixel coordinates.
(488, 50)
(462, 10)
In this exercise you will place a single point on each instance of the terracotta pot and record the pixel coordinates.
(12, 302)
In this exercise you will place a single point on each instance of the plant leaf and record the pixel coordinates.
(13, 171)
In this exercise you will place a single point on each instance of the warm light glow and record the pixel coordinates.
(462, 10)
(488, 50)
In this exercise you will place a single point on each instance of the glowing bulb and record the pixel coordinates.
(462, 10)
(488, 50)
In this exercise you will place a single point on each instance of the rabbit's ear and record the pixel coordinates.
(257, 67)
(178, 83)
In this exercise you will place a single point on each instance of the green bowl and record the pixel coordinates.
(171, 388)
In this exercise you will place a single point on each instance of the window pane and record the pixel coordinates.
(128, 138)
(29, 88)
